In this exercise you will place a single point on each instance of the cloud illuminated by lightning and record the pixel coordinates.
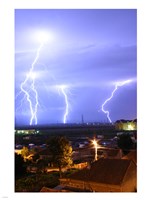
(28, 85)
(118, 84)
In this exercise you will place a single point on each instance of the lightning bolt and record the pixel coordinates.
(118, 84)
(28, 88)
(63, 90)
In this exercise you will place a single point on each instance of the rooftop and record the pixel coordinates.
(108, 171)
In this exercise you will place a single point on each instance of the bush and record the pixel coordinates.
(34, 183)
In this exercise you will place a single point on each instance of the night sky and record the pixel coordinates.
(88, 52)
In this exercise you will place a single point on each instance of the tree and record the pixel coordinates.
(61, 151)
(125, 142)
(25, 152)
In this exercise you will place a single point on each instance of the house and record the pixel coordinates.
(87, 154)
(104, 175)
(126, 125)
(84, 154)
(112, 153)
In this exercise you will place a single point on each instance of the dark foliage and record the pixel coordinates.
(20, 168)
(125, 142)
(61, 151)
(34, 183)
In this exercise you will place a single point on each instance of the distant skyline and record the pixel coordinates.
(87, 52)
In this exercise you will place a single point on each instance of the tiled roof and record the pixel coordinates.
(108, 171)
(80, 175)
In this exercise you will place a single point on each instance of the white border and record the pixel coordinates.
(6, 98)
(7, 93)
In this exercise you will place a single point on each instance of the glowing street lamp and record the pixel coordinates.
(94, 142)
